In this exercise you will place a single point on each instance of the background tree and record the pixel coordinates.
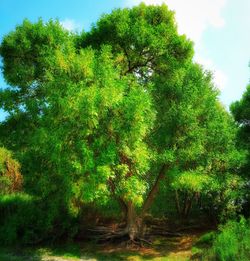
(241, 112)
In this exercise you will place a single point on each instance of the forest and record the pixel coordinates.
(115, 138)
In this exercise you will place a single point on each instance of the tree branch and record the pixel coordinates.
(151, 195)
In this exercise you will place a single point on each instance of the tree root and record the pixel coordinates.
(119, 234)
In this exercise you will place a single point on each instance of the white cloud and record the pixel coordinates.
(70, 25)
(195, 16)
(220, 79)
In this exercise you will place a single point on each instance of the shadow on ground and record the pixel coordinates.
(162, 249)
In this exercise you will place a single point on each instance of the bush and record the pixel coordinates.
(207, 238)
(25, 219)
(10, 177)
(232, 243)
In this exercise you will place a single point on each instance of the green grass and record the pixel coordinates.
(203, 244)
(70, 252)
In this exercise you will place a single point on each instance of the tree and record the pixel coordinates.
(106, 115)
(241, 113)
(188, 115)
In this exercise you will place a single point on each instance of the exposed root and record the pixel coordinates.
(119, 234)
(107, 234)
(135, 243)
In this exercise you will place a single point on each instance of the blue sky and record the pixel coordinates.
(219, 28)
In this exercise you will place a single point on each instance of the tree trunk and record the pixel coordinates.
(133, 226)
(187, 205)
(177, 202)
(134, 222)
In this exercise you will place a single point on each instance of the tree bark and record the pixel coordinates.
(133, 226)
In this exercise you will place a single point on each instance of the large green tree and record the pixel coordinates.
(111, 112)
(192, 130)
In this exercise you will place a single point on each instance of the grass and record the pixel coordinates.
(203, 244)
(66, 252)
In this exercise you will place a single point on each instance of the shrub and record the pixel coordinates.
(25, 219)
(232, 243)
(10, 177)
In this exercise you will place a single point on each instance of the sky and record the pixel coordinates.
(219, 29)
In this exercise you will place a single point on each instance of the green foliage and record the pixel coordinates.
(240, 109)
(193, 181)
(142, 37)
(34, 44)
(11, 216)
(207, 238)
(204, 242)
(28, 220)
(241, 113)
(233, 242)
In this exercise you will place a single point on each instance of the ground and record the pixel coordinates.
(162, 249)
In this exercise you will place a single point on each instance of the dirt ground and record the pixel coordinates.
(161, 249)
